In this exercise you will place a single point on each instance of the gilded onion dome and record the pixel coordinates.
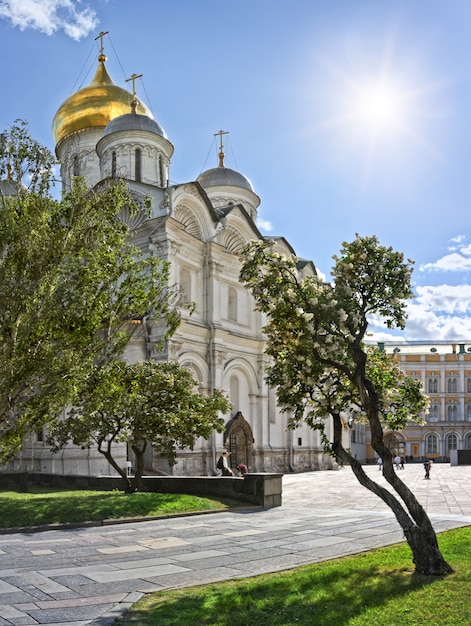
(94, 106)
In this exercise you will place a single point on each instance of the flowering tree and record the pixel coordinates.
(140, 404)
(315, 335)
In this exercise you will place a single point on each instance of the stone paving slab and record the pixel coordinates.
(89, 576)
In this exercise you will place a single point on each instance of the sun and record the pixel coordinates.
(379, 107)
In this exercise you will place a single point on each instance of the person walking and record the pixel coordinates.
(380, 463)
(427, 468)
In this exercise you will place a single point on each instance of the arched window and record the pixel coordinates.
(468, 385)
(234, 392)
(432, 385)
(433, 413)
(185, 283)
(431, 444)
(468, 413)
(113, 164)
(163, 182)
(232, 304)
(76, 166)
(137, 165)
(467, 442)
(452, 385)
(451, 442)
(452, 412)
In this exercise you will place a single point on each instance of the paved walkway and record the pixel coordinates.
(89, 576)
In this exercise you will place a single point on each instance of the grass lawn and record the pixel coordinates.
(377, 588)
(49, 506)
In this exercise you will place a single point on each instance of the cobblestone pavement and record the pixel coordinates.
(89, 576)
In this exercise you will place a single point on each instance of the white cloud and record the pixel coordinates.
(265, 225)
(456, 261)
(437, 313)
(50, 16)
(458, 239)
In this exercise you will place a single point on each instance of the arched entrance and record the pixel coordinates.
(238, 440)
(396, 443)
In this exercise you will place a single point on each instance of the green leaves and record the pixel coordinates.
(315, 332)
(70, 286)
(139, 403)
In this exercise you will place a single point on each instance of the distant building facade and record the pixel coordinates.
(444, 369)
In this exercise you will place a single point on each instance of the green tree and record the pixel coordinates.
(70, 282)
(315, 335)
(140, 404)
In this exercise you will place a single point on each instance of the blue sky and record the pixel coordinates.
(348, 116)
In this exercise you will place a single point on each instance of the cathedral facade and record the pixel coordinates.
(200, 227)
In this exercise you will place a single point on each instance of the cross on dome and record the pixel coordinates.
(221, 151)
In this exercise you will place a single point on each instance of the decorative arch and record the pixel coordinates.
(188, 220)
(232, 240)
(197, 365)
(238, 440)
(244, 368)
(396, 442)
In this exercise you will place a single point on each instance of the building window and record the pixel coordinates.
(234, 392)
(137, 165)
(163, 182)
(76, 166)
(433, 413)
(452, 411)
(185, 284)
(451, 442)
(431, 444)
(232, 305)
(468, 385)
(452, 385)
(432, 385)
(113, 165)
(467, 442)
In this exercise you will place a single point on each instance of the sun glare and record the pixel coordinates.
(379, 107)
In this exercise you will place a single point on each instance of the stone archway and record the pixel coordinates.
(396, 443)
(238, 440)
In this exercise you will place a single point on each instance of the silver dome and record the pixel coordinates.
(133, 121)
(219, 176)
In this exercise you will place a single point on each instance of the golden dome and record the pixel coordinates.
(94, 106)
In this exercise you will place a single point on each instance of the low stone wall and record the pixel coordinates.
(261, 489)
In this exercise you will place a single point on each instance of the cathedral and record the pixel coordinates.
(200, 227)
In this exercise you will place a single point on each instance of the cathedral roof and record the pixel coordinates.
(94, 106)
(133, 121)
(9, 188)
(221, 176)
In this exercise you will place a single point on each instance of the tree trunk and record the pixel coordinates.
(415, 523)
(139, 449)
(128, 488)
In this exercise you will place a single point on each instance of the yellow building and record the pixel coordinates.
(444, 370)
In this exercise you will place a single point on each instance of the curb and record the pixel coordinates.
(121, 520)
